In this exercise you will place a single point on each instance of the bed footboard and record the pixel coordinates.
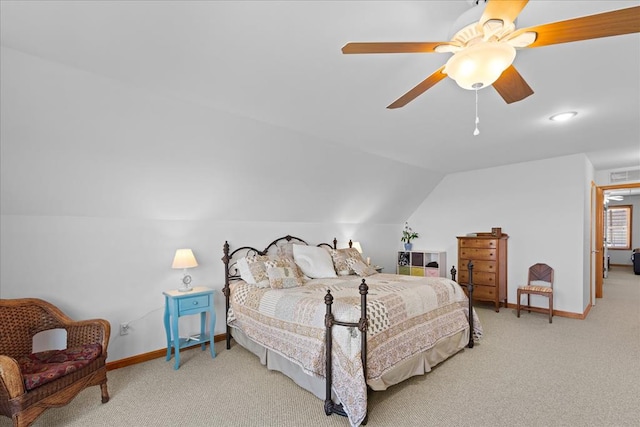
(470, 295)
(329, 321)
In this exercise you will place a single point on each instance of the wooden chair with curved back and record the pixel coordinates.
(540, 282)
(31, 382)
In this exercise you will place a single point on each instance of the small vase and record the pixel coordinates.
(408, 246)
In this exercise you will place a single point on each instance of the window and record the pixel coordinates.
(618, 227)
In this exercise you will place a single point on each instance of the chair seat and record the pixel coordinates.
(43, 367)
(544, 289)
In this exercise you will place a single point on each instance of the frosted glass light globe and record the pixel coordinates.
(480, 65)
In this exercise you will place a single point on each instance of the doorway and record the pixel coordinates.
(598, 249)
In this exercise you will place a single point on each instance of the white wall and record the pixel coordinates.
(603, 177)
(101, 182)
(117, 268)
(541, 205)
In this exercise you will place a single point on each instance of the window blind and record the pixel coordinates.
(618, 226)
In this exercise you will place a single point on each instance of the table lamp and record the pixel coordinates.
(184, 259)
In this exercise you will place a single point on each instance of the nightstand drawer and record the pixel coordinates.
(185, 305)
(478, 254)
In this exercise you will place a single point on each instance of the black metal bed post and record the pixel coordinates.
(453, 272)
(328, 323)
(363, 324)
(226, 291)
(329, 406)
(470, 294)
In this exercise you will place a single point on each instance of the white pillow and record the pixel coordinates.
(314, 261)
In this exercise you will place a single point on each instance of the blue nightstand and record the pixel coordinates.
(197, 301)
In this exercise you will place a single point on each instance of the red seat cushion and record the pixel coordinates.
(43, 367)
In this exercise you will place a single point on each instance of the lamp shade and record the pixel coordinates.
(184, 258)
(356, 245)
(480, 65)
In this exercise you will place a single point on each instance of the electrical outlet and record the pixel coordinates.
(124, 328)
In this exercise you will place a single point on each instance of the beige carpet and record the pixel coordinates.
(525, 372)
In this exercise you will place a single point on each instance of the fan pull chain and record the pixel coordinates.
(476, 132)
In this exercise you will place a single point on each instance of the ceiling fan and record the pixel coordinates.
(483, 51)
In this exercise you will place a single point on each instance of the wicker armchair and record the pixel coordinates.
(22, 397)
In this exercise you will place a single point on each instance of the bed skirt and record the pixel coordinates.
(416, 365)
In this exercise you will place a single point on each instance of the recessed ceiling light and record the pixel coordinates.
(562, 117)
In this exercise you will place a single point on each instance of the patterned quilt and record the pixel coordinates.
(407, 315)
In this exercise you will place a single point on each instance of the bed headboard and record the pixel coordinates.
(276, 248)
(231, 271)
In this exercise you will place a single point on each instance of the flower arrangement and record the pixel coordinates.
(408, 234)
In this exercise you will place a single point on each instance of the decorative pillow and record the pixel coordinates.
(315, 262)
(360, 267)
(253, 270)
(286, 251)
(340, 257)
(282, 274)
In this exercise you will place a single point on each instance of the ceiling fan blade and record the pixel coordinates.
(504, 10)
(421, 88)
(511, 86)
(392, 47)
(614, 23)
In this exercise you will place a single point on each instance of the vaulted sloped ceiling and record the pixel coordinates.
(221, 105)
(78, 144)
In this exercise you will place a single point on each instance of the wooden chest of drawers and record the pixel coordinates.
(489, 256)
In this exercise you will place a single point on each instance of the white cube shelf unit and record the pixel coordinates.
(422, 263)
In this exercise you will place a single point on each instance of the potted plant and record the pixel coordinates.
(407, 236)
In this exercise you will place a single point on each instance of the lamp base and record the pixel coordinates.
(185, 285)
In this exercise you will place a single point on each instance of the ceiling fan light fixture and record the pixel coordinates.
(563, 117)
(480, 64)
